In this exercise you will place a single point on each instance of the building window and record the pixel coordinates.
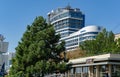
(115, 71)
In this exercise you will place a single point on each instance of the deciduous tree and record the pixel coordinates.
(104, 43)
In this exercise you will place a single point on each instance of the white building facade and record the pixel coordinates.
(87, 33)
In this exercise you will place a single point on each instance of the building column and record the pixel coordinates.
(81, 71)
(74, 71)
(110, 70)
(90, 71)
(97, 71)
(68, 73)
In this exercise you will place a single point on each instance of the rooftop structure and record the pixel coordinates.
(1, 37)
(3, 45)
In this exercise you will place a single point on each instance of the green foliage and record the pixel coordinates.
(104, 43)
(38, 52)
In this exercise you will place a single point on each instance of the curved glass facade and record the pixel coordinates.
(86, 33)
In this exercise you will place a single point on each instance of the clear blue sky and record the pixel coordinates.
(15, 15)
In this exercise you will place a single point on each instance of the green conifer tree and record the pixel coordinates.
(38, 52)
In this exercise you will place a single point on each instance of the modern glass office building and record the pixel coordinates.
(66, 20)
(70, 24)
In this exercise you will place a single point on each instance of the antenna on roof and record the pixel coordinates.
(1, 37)
(68, 6)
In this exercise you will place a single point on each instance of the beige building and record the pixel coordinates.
(95, 66)
(117, 36)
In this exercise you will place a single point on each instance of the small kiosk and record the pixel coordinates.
(106, 65)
